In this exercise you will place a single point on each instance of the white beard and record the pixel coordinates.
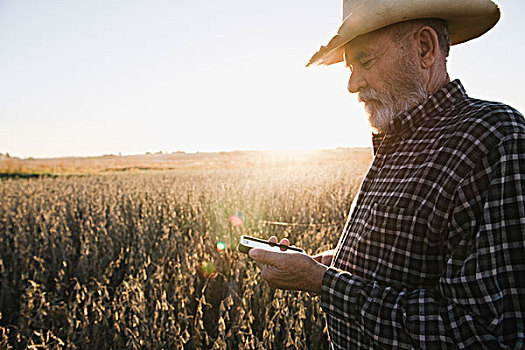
(403, 90)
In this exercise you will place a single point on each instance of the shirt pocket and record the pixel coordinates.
(406, 253)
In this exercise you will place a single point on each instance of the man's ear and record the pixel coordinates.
(428, 46)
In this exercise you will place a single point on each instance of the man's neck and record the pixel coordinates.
(437, 79)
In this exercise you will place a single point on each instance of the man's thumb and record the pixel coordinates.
(260, 255)
(254, 253)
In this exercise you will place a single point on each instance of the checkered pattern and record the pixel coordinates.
(433, 254)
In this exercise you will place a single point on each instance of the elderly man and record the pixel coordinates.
(433, 253)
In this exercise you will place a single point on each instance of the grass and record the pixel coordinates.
(129, 259)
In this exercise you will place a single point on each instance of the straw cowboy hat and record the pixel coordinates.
(466, 19)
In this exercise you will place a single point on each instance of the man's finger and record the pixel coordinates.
(273, 239)
(318, 257)
(326, 259)
(265, 257)
(285, 241)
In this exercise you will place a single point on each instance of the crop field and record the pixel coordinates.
(147, 259)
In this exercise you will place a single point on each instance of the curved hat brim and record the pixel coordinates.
(466, 19)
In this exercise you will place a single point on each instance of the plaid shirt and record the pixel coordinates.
(433, 254)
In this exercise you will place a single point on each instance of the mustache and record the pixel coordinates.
(367, 94)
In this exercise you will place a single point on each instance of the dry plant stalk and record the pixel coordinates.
(112, 261)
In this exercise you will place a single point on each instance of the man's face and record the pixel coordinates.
(386, 76)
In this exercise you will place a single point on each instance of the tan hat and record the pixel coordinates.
(466, 19)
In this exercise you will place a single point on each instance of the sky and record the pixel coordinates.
(85, 78)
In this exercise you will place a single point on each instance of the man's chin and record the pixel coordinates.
(378, 123)
(370, 110)
(375, 129)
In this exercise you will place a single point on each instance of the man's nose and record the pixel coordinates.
(356, 82)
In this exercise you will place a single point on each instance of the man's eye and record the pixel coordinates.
(366, 64)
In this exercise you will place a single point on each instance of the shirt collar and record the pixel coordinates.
(435, 104)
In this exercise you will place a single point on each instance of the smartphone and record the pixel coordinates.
(246, 243)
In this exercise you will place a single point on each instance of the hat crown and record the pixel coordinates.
(350, 6)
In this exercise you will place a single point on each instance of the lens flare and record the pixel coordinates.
(237, 219)
(221, 246)
(206, 269)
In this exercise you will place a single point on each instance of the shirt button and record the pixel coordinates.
(405, 136)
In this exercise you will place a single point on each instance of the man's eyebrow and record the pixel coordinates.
(357, 56)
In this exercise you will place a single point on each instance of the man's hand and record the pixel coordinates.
(293, 271)
(325, 258)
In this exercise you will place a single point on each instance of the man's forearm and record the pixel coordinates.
(417, 318)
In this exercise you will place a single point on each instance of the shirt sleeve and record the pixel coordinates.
(479, 302)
